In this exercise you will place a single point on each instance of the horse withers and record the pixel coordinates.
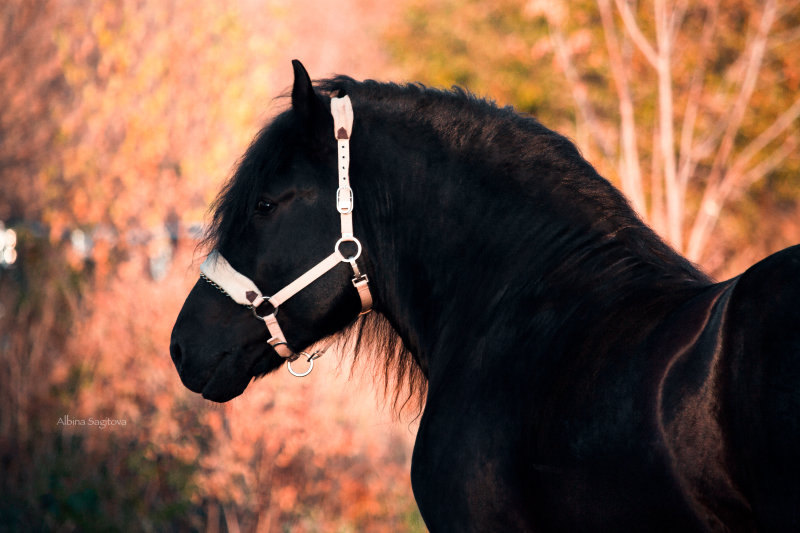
(577, 374)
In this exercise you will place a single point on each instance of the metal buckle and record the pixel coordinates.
(344, 204)
(275, 342)
(359, 281)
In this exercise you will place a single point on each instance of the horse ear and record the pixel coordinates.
(304, 100)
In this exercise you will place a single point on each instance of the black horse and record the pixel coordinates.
(577, 373)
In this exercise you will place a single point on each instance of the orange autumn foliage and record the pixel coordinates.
(119, 122)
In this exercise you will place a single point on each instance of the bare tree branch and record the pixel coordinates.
(657, 215)
(675, 193)
(687, 158)
(630, 173)
(636, 34)
(676, 18)
(584, 106)
(768, 135)
(770, 163)
(711, 202)
(785, 37)
(734, 185)
(739, 108)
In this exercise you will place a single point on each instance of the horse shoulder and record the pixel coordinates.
(463, 473)
(692, 410)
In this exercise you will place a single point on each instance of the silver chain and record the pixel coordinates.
(220, 289)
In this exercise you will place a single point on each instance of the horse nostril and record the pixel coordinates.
(175, 352)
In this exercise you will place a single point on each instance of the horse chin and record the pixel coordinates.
(224, 391)
(233, 375)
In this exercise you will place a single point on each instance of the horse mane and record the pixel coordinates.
(506, 137)
(403, 379)
(502, 137)
(510, 140)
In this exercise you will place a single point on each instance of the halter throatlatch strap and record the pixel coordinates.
(242, 290)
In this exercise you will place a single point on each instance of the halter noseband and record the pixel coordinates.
(241, 289)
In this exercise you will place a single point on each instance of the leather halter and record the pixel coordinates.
(217, 271)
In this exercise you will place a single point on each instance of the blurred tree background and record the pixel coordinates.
(120, 120)
(690, 107)
(118, 123)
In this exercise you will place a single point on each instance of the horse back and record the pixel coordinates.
(760, 386)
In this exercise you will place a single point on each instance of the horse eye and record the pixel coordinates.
(265, 207)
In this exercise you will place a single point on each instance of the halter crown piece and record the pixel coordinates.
(241, 289)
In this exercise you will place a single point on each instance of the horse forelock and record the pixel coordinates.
(234, 204)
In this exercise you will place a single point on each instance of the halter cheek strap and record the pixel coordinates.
(217, 271)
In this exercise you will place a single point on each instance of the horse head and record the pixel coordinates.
(279, 258)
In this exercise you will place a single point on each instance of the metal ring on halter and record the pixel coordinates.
(263, 318)
(309, 358)
(353, 258)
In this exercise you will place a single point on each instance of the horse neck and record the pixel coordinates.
(455, 246)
